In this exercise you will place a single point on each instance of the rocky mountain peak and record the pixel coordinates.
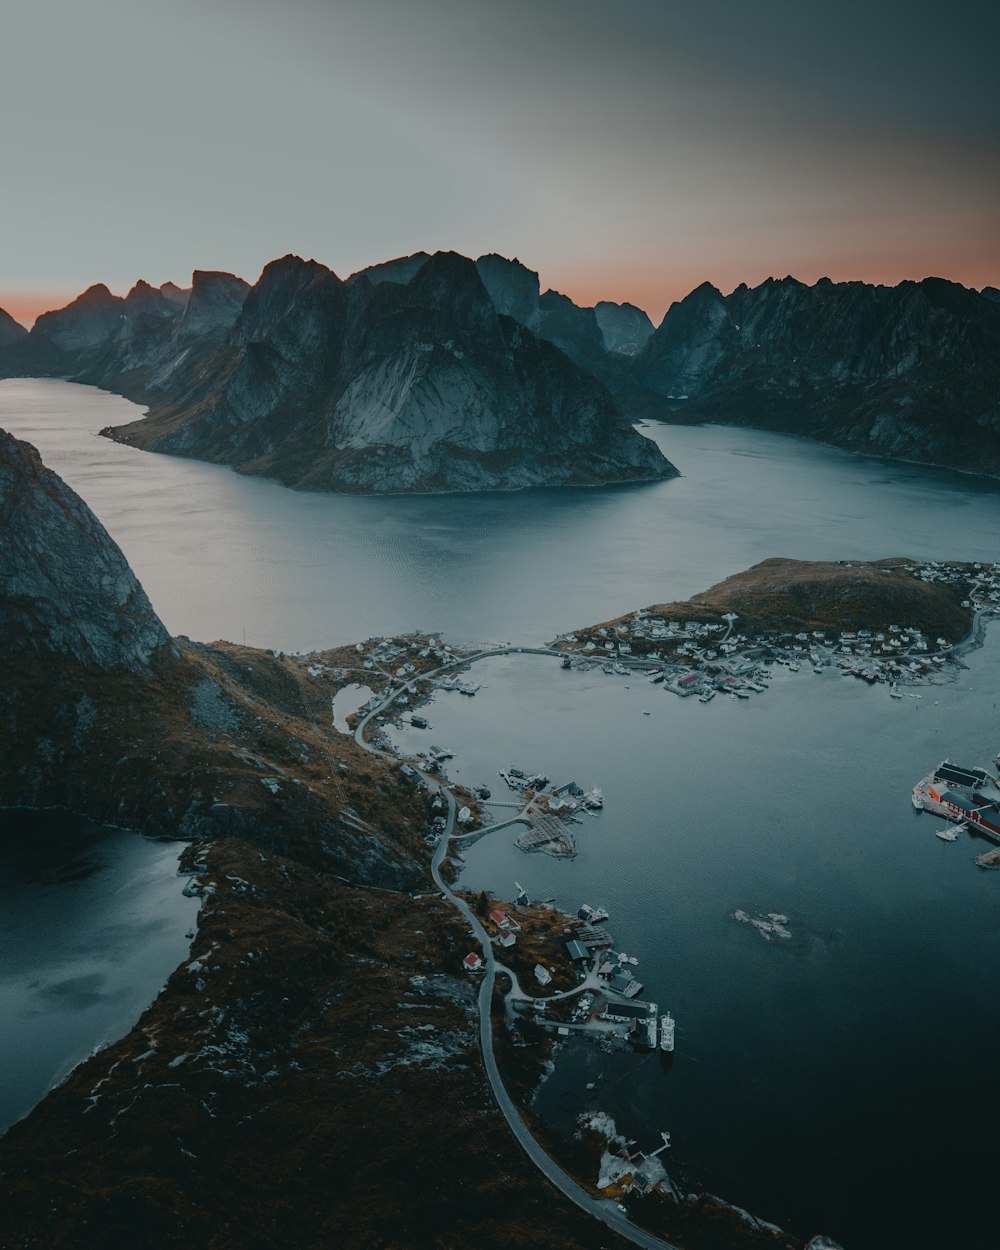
(176, 294)
(86, 322)
(11, 331)
(624, 327)
(214, 302)
(400, 271)
(149, 301)
(65, 587)
(513, 287)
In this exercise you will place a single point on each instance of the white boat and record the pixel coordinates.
(667, 1032)
(600, 914)
(917, 801)
(894, 692)
(947, 835)
(706, 696)
(793, 667)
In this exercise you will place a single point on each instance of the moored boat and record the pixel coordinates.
(667, 1032)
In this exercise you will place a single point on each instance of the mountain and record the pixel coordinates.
(102, 338)
(407, 380)
(11, 331)
(625, 328)
(594, 338)
(515, 291)
(911, 371)
(103, 713)
(409, 376)
(66, 590)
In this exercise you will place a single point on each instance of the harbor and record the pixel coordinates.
(968, 797)
(671, 870)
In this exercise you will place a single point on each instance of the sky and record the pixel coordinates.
(627, 151)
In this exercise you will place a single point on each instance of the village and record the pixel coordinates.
(708, 658)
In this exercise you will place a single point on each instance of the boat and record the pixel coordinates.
(667, 1032)
(741, 694)
(566, 661)
(948, 834)
(894, 692)
(586, 912)
(706, 696)
(793, 667)
(917, 800)
(600, 914)
(593, 799)
(656, 678)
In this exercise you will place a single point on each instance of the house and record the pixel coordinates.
(500, 919)
(576, 950)
(472, 962)
(507, 939)
(542, 975)
(627, 1013)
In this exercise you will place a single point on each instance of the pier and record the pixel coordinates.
(546, 833)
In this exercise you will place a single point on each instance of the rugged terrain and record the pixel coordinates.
(911, 371)
(403, 379)
(311, 1074)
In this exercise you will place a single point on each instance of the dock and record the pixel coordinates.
(546, 833)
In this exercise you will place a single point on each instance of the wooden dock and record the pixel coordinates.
(546, 833)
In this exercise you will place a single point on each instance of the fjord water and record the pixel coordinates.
(221, 554)
(842, 1081)
(92, 922)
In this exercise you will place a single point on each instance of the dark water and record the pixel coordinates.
(92, 922)
(221, 554)
(842, 1082)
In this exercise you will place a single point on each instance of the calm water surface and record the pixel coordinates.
(222, 555)
(92, 922)
(842, 1081)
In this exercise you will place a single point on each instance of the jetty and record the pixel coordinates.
(546, 833)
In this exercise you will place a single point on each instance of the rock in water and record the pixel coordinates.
(65, 587)
(410, 382)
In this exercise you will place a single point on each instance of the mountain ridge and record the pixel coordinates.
(910, 372)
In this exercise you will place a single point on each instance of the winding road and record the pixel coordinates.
(602, 1209)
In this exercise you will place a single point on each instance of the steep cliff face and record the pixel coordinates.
(103, 713)
(911, 371)
(425, 373)
(625, 328)
(65, 588)
(133, 344)
(11, 331)
(413, 382)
